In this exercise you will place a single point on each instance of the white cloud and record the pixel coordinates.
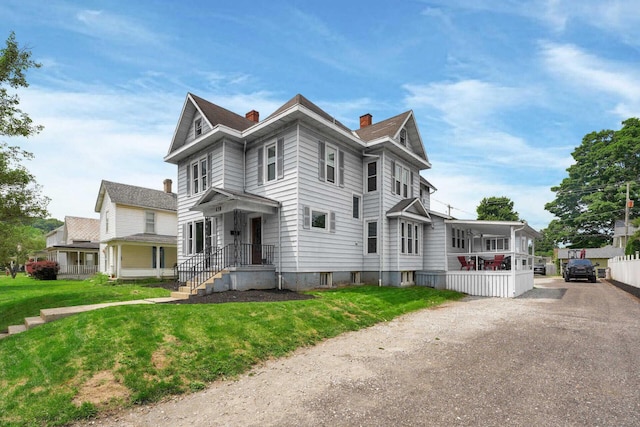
(580, 69)
(110, 26)
(464, 190)
(465, 102)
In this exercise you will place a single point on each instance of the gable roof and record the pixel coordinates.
(389, 128)
(132, 195)
(81, 229)
(301, 100)
(410, 209)
(226, 124)
(217, 115)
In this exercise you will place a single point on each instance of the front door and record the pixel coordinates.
(256, 240)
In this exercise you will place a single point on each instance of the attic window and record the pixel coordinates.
(198, 127)
(403, 136)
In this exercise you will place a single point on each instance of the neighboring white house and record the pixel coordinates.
(74, 245)
(298, 201)
(137, 231)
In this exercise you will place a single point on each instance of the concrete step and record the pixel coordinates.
(3, 335)
(181, 295)
(32, 322)
(16, 329)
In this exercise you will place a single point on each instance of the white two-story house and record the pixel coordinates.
(138, 229)
(298, 197)
(298, 200)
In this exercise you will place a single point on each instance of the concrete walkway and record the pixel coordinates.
(51, 314)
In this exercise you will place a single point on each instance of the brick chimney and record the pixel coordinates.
(253, 115)
(366, 120)
(167, 185)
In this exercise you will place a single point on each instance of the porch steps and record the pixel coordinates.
(205, 288)
(51, 314)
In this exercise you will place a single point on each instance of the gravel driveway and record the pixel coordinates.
(564, 354)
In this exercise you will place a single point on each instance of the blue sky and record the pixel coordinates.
(503, 91)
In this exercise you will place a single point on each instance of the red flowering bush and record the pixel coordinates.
(43, 270)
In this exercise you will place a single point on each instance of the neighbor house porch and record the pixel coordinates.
(76, 261)
(140, 256)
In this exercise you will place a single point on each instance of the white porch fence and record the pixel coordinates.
(503, 284)
(626, 269)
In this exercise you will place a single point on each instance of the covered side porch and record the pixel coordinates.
(140, 256)
(489, 258)
(76, 261)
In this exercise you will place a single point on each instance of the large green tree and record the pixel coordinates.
(593, 196)
(20, 196)
(497, 209)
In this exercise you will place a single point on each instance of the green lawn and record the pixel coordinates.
(24, 296)
(76, 367)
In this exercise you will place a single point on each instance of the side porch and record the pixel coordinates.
(485, 258)
(140, 256)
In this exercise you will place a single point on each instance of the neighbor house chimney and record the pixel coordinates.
(167, 185)
(365, 120)
(253, 115)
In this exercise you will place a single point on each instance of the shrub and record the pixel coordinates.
(43, 270)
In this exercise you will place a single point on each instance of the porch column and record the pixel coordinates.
(119, 261)
(158, 262)
(78, 262)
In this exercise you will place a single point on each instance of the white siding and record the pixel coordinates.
(233, 166)
(284, 190)
(434, 244)
(321, 250)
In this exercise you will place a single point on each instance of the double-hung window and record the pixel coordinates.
(403, 136)
(271, 161)
(197, 127)
(409, 238)
(149, 222)
(330, 164)
(356, 206)
(372, 237)
(199, 175)
(401, 180)
(372, 176)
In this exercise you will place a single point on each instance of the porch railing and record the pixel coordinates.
(204, 265)
(78, 270)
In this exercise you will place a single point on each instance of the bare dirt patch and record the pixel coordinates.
(101, 389)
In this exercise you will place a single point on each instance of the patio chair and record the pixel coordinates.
(466, 265)
(495, 263)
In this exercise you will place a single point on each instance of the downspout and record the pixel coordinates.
(280, 247)
(381, 263)
(244, 167)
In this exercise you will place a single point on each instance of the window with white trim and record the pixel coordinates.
(197, 127)
(457, 238)
(149, 222)
(199, 235)
(409, 238)
(270, 160)
(401, 180)
(356, 206)
(372, 176)
(199, 172)
(318, 219)
(372, 237)
(154, 257)
(403, 136)
(330, 164)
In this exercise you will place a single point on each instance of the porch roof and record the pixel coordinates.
(216, 201)
(91, 246)
(412, 209)
(497, 228)
(146, 238)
